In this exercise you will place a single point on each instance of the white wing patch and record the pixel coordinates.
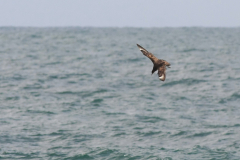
(162, 77)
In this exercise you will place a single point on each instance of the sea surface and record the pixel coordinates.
(80, 93)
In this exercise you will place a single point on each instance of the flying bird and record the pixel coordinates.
(158, 64)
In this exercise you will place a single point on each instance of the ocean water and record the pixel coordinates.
(88, 93)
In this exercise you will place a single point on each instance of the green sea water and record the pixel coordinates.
(88, 93)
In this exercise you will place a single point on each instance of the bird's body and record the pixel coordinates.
(158, 64)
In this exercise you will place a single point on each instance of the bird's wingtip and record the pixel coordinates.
(140, 47)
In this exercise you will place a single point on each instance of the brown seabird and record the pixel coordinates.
(158, 64)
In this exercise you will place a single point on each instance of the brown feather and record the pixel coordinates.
(162, 73)
(148, 54)
(158, 64)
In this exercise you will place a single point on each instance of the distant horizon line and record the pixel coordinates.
(11, 26)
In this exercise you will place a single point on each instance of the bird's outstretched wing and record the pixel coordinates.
(148, 54)
(162, 73)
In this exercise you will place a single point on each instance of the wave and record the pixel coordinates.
(150, 119)
(77, 157)
(193, 50)
(83, 93)
(188, 82)
(234, 97)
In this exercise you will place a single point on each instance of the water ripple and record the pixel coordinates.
(88, 93)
